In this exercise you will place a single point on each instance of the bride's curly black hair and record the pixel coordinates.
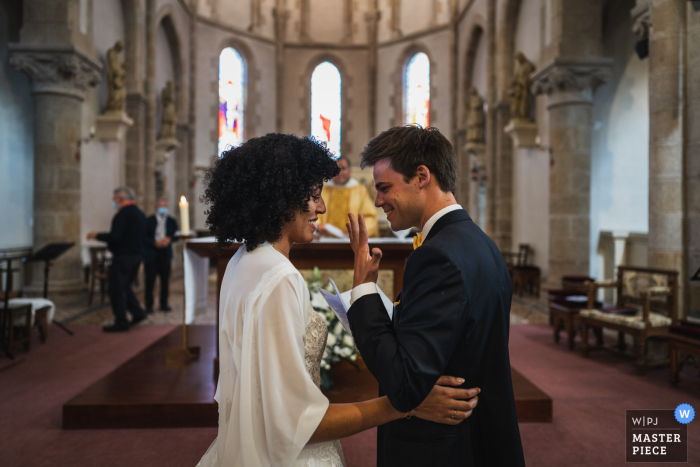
(254, 189)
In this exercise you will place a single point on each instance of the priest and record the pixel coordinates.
(344, 195)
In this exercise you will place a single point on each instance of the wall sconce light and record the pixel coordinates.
(82, 141)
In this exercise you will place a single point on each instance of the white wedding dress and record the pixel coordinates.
(271, 342)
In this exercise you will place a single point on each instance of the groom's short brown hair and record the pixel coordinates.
(409, 146)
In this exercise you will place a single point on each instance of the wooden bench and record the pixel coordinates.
(650, 295)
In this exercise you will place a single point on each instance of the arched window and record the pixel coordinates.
(325, 106)
(231, 98)
(417, 90)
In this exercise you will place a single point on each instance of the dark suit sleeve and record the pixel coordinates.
(408, 360)
(171, 227)
(116, 235)
(149, 239)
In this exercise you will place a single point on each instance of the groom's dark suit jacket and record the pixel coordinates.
(452, 319)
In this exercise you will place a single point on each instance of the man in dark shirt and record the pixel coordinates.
(125, 241)
(158, 254)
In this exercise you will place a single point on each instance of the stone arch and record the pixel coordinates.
(165, 18)
(134, 45)
(250, 94)
(505, 47)
(399, 80)
(345, 101)
(473, 42)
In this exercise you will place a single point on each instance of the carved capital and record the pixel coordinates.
(641, 19)
(571, 81)
(58, 70)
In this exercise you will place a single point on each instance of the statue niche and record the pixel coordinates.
(475, 118)
(521, 128)
(167, 141)
(113, 124)
(520, 90)
(116, 80)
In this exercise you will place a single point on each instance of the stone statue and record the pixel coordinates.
(116, 79)
(168, 119)
(475, 119)
(519, 91)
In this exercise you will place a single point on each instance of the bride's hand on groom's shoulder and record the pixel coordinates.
(446, 404)
(366, 265)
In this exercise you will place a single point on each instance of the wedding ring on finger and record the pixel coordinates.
(454, 415)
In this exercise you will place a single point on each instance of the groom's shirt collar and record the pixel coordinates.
(435, 217)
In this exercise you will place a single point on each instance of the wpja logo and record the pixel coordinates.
(658, 435)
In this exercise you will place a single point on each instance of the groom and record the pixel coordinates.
(451, 317)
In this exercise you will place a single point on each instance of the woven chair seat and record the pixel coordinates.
(656, 320)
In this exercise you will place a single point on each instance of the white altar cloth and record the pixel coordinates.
(196, 270)
(36, 303)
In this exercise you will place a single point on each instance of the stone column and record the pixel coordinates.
(60, 75)
(149, 196)
(372, 21)
(281, 18)
(667, 208)
(569, 86)
(135, 157)
(502, 180)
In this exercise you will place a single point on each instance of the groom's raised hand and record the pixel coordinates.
(366, 265)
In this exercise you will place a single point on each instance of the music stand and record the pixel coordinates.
(696, 276)
(47, 254)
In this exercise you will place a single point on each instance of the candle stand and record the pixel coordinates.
(184, 354)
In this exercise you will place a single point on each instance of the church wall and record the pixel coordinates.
(692, 171)
(620, 147)
(260, 101)
(235, 13)
(16, 147)
(391, 62)
(352, 64)
(327, 21)
(528, 30)
(531, 165)
(416, 16)
(101, 162)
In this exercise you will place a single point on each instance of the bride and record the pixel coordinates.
(271, 410)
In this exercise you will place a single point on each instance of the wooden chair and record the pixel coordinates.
(647, 305)
(19, 326)
(522, 274)
(99, 266)
(564, 308)
(684, 345)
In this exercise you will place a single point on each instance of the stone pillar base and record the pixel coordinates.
(112, 126)
(62, 293)
(523, 133)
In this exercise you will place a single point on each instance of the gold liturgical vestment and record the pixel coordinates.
(349, 198)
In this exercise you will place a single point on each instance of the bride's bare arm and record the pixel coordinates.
(343, 420)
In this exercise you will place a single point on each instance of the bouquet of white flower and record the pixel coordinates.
(340, 345)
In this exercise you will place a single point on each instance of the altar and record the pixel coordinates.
(163, 394)
(325, 253)
(331, 253)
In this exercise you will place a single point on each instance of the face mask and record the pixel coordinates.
(114, 203)
(163, 211)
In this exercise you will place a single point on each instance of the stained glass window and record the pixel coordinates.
(325, 106)
(231, 98)
(417, 91)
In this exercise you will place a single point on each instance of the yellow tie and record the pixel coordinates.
(418, 240)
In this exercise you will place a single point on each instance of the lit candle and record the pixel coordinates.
(184, 216)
